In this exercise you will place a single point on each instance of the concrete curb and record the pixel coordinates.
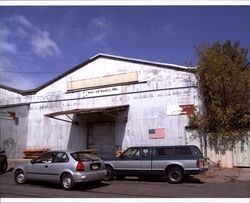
(226, 175)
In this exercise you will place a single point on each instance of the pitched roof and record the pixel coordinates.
(113, 57)
(11, 89)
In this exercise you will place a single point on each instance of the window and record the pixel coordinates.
(82, 156)
(61, 157)
(145, 153)
(45, 158)
(197, 152)
(172, 151)
(163, 151)
(182, 151)
(131, 153)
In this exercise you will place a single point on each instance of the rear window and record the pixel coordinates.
(172, 151)
(83, 156)
(198, 152)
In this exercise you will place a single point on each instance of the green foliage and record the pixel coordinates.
(223, 76)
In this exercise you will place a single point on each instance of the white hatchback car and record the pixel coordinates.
(65, 166)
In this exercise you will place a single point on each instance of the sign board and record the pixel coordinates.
(109, 80)
(102, 92)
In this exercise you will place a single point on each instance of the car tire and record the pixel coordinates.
(175, 175)
(110, 173)
(67, 181)
(20, 177)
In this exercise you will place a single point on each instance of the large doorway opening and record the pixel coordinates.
(101, 138)
(100, 130)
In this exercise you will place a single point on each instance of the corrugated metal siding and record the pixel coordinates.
(101, 139)
(13, 134)
(241, 155)
(148, 101)
(238, 157)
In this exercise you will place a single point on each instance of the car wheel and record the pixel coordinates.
(20, 177)
(175, 175)
(67, 182)
(110, 173)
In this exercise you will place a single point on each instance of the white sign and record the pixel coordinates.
(102, 92)
(174, 110)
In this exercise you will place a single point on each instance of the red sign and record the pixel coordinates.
(187, 109)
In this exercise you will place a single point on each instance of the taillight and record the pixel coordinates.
(80, 166)
(198, 164)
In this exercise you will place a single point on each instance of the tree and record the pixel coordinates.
(223, 77)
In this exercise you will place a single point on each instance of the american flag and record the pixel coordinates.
(156, 133)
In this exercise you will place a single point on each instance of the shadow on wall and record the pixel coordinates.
(90, 132)
(10, 147)
(77, 140)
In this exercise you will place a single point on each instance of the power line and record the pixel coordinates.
(28, 72)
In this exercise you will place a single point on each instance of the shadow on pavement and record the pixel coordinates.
(78, 186)
(190, 179)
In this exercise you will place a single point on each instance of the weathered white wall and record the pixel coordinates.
(9, 97)
(13, 133)
(238, 157)
(44, 132)
(158, 89)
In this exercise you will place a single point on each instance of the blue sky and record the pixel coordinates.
(38, 43)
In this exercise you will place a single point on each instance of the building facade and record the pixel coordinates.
(105, 104)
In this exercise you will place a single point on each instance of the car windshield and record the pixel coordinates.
(83, 156)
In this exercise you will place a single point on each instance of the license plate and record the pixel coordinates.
(95, 167)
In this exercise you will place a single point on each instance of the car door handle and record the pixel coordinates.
(46, 166)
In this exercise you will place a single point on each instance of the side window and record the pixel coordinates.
(61, 157)
(132, 153)
(145, 153)
(182, 151)
(45, 158)
(163, 152)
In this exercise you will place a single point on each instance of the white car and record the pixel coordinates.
(65, 166)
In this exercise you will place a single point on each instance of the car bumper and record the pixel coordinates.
(196, 171)
(91, 176)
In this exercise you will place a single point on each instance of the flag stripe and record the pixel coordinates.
(156, 133)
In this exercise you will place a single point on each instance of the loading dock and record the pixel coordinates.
(98, 127)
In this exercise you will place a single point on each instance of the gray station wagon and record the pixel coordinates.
(66, 167)
(173, 162)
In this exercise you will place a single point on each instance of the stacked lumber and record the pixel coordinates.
(33, 153)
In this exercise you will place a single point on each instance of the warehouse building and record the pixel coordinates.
(105, 104)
